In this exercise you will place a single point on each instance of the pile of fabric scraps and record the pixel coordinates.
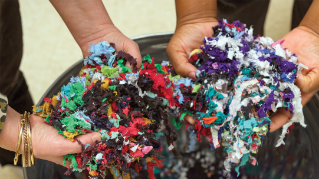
(128, 107)
(241, 81)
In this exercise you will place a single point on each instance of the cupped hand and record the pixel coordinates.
(112, 35)
(186, 38)
(304, 42)
(49, 145)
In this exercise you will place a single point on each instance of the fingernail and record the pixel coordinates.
(192, 75)
(96, 137)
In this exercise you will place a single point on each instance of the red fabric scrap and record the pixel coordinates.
(150, 170)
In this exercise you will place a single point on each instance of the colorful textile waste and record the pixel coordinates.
(241, 81)
(126, 106)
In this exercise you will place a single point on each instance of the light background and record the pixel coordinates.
(49, 48)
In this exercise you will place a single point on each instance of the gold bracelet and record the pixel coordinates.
(16, 157)
(30, 140)
(25, 144)
(27, 155)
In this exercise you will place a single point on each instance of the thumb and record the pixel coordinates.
(135, 52)
(180, 63)
(89, 138)
(308, 82)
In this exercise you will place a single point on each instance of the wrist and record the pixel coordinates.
(11, 130)
(310, 20)
(196, 18)
(309, 26)
(192, 12)
(308, 30)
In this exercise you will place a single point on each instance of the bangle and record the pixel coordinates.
(25, 144)
(16, 157)
(25, 136)
(30, 140)
(27, 154)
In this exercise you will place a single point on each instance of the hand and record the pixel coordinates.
(89, 22)
(112, 35)
(49, 145)
(186, 38)
(304, 42)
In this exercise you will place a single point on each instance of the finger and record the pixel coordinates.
(180, 62)
(308, 82)
(282, 116)
(279, 119)
(135, 52)
(75, 147)
(131, 47)
(59, 160)
(189, 119)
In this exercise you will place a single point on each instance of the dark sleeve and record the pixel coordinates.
(3, 110)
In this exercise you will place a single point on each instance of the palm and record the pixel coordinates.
(187, 38)
(305, 44)
(49, 145)
(121, 43)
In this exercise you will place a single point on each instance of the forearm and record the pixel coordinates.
(10, 130)
(190, 11)
(311, 19)
(87, 20)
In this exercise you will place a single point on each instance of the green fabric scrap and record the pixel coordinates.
(159, 68)
(178, 124)
(211, 92)
(93, 166)
(104, 100)
(246, 71)
(126, 70)
(148, 58)
(150, 94)
(47, 120)
(61, 133)
(105, 136)
(196, 88)
(113, 88)
(158, 135)
(173, 77)
(74, 164)
(244, 160)
(84, 124)
(220, 96)
(221, 117)
(109, 71)
(78, 90)
(114, 135)
(115, 122)
(165, 102)
(70, 105)
(184, 114)
(70, 122)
